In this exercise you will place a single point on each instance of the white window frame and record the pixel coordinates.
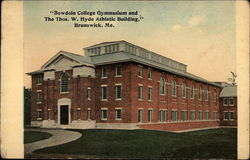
(89, 114)
(192, 111)
(39, 80)
(200, 93)
(229, 101)
(200, 115)
(184, 90)
(150, 89)
(116, 115)
(207, 95)
(163, 82)
(39, 96)
(102, 114)
(140, 113)
(150, 112)
(39, 114)
(207, 115)
(215, 115)
(149, 73)
(102, 73)
(163, 115)
(89, 93)
(224, 115)
(224, 101)
(64, 92)
(140, 92)
(118, 75)
(103, 98)
(174, 88)
(185, 117)
(80, 114)
(116, 96)
(229, 116)
(175, 117)
(140, 71)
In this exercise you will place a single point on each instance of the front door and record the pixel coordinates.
(64, 115)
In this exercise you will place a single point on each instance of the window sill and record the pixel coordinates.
(104, 77)
(140, 77)
(89, 99)
(64, 92)
(118, 76)
(104, 100)
(118, 119)
(139, 99)
(39, 103)
(39, 84)
(150, 79)
(104, 119)
(119, 99)
(162, 94)
(39, 119)
(149, 100)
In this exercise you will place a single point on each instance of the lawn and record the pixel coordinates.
(213, 143)
(32, 136)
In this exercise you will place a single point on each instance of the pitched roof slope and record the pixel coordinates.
(229, 91)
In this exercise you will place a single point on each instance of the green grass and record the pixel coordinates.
(213, 143)
(32, 136)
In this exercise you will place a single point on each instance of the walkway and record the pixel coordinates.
(60, 136)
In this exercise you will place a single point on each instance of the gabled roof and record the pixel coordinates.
(229, 91)
(78, 58)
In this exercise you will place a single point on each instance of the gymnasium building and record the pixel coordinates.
(122, 86)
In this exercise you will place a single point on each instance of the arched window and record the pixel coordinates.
(184, 90)
(192, 92)
(162, 86)
(174, 89)
(64, 82)
(200, 93)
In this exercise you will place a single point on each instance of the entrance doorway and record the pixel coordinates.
(64, 114)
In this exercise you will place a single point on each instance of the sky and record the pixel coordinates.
(200, 34)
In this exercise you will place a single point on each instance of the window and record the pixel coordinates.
(162, 86)
(78, 113)
(104, 114)
(118, 114)
(163, 115)
(64, 82)
(89, 93)
(174, 115)
(140, 92)
(140, 71)
(200, 93)
(192, 115)
(183, 115)
(112, 48)
(104, 72)
(39, 97)
(215, 95)
(184, 90)
(149, 93)
(225, 102)
(207, 94)
(174, 89)
(88, 114)
(200, 115)
(118, 92)
(104, 92)
(226, 115)
(39, 80)
(150, 111)
(231, 115)
(118, 71)
(215, 115)
(207, 115)
(231, 102)
(149, 73)
(140, 115)
(39, 114)
(192, 92)
(49, 114)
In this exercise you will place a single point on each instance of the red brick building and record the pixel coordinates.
(121, 85)
(228, 106)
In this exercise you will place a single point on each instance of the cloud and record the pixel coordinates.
(196, 21)
(193, 23)
(177, 28)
